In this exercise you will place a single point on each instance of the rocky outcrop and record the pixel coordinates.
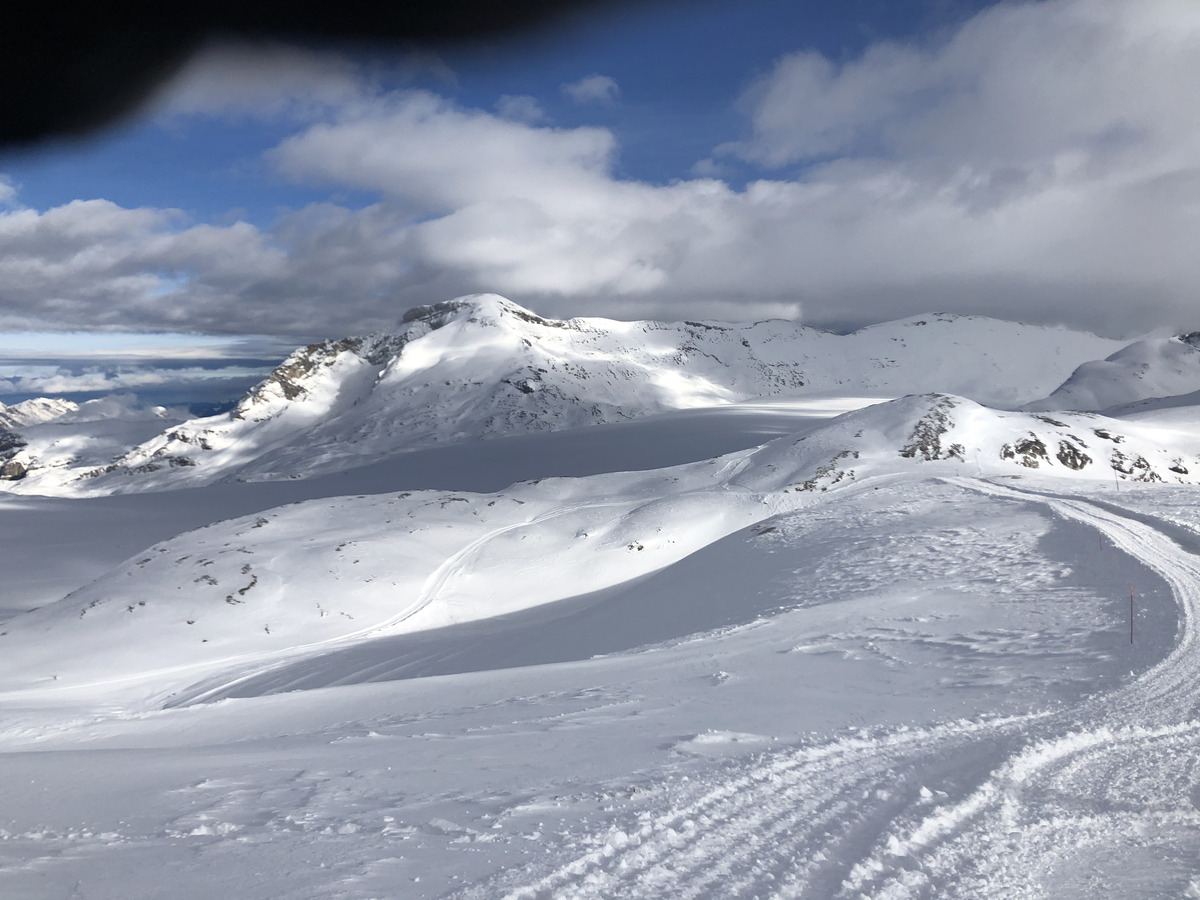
(289, 378)
(925, 440)
(11, 444)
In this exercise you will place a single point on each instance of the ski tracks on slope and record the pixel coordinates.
(780, 823)
(1102, 797)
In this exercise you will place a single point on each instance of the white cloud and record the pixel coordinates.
(1041, 162)
(8, 192)
(1044, 151)
(237, 79)
(1077, 83)
(418, 147)
(520, 108)
(593, 89)
(115, 380)
(94, 263)
(124, 346)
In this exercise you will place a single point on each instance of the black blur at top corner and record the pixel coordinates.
(68, 69)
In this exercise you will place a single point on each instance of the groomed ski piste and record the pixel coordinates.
(886, 654)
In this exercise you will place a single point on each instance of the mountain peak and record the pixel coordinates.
(488, 308)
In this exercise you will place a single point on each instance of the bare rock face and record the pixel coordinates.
(1074, 458)
(926, 438)
(11, 443)
(1029, 451)
(289, 378)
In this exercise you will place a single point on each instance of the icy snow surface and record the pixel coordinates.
(803, 648)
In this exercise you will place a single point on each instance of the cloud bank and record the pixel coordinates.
(1040, 162)
(41, 381)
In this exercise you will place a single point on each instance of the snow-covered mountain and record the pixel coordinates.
(35, 411)
(1147, 369)
(49, 436)
(984, 442)
(482, 366)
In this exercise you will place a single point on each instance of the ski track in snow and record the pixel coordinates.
(457, 563)
(1062, 803)
(454, 565)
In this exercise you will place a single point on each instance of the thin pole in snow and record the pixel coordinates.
(1131, 614)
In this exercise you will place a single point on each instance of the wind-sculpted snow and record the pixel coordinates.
(1093, 799)
(886, 657)
(482, 366)
(325, 572)
(314, 576)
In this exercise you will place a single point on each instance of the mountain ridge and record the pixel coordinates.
(482, 366)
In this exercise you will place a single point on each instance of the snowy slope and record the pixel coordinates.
(483, 366)
(886, 657)
(1148, 369)
(819, 712)
(309, 577)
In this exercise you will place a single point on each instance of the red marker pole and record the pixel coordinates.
(1131, 614)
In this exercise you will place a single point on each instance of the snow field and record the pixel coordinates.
(705, 762)
(839, 669)
(303, 578)
(269, 583)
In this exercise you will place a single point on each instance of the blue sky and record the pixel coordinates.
(681, 69)
(840, 163)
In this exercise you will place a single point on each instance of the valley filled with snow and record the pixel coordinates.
(500, 606)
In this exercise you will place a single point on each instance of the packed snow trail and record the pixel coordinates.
(1102, 798)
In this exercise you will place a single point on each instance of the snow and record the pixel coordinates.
(1147, 369)
(481, 366)
(314, 575)
(795, 646)
(35, 411)
(60, 435)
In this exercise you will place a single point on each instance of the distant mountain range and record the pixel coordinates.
(35, 411)
(482, 366)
